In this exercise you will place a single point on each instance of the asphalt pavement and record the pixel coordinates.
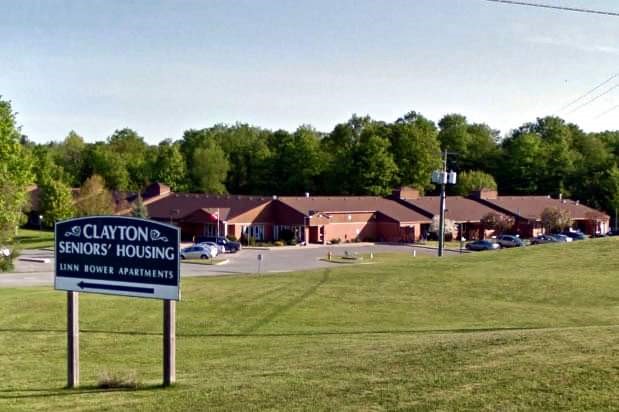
(276, 260)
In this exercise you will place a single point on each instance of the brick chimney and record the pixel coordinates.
(405, 193)
(155, 189)
(484, 194)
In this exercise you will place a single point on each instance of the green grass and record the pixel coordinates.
(518, 329)
(34, 239)
(448, 245)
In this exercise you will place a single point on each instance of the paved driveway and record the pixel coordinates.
(246, 261)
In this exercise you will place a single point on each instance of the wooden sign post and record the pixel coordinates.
(169, 342)
(73, 340)
(118, 256)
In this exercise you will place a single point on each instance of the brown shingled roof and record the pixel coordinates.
(458, 208)
(325, 204)
(178, 205)
(531, 207)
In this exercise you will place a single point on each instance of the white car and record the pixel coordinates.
(220, 249)
(197, 252)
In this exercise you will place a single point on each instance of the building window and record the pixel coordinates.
(254, 231)
(298, 231)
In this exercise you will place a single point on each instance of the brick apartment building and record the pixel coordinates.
(405, 216)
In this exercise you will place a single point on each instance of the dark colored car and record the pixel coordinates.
(542, 239)
(509, 241)
(575, 235)
(613, 232)
(229, 246)
(482, 245)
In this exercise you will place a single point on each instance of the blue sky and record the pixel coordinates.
(164, 67)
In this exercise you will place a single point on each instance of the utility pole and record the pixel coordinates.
(441, 236)
(443, 178)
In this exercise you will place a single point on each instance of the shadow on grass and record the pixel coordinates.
(249, 334)
(49, 392)
(280, 309)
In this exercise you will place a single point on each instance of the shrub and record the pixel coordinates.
(6, 262)
(278, 243)
(109, 380)
(292, 242)
(286, 235)
(336, 241)
(232, 238)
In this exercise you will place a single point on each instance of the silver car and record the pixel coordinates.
(219, 249)
(197, 252)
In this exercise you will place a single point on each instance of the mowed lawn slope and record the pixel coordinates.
(526, 329)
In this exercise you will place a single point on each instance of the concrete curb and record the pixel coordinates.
(36, 260)
(221, 262)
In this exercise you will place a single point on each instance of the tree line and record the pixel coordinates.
(362, 156)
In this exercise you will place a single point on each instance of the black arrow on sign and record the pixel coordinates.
(83, 285)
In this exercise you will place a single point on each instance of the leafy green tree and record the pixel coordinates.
(70, 155)
(454, 135)
(47, 167)
(338, 148)
(415, 149)
(210, 168)
(247, 150)
(94, 199)
(475, 144)
(374, 169)
(555, 162)
(109, 165)
(169, 166)
(15, 173)
(470, 181)
(56, 202)
(297, 161)
(521, 166)
(133, 153)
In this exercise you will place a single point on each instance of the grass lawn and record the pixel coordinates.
(448, 245)
(518, 329)
(34, 239)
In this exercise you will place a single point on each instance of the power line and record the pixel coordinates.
(588, 102)
(588, 93)
(607, 111)
(549, 6)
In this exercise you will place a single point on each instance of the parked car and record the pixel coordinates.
(562, 238)
(482, 245)
(212, 247)
(220, 248)
(574, 235)
(229, 246)
(542, 239)
(613, 232)
(196, 252)
(509, 241)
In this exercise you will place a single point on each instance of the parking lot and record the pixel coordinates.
(275, 260)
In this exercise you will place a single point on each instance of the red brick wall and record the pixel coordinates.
(388, 231)
(350, 231)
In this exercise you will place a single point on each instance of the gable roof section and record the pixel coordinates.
(354, 204)
(207, 215)
(180, 205)
(457, 208)
(531, 207)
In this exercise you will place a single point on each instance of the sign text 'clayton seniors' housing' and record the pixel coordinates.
(119, 256)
